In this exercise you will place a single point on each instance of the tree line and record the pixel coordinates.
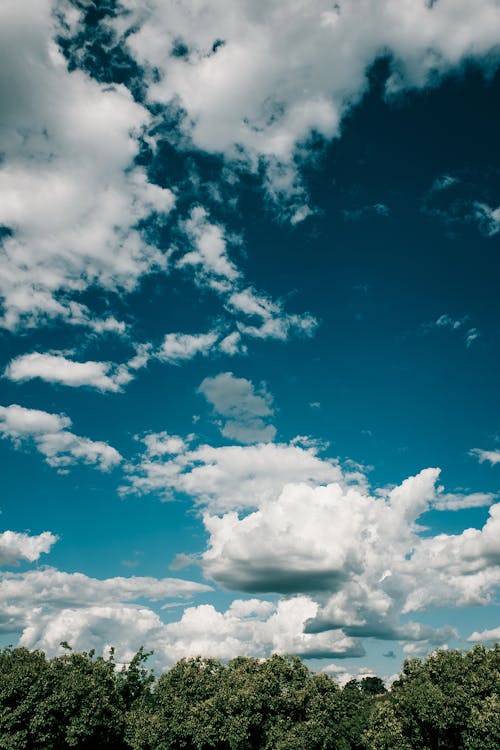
(449, 701)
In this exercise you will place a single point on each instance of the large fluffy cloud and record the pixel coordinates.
(359, 555)
(256, 81)
(248, 627)
(227, 477)
(47, 606)
(74, 205)
(69, 193)
(316, 538)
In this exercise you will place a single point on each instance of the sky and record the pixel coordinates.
(249, 318)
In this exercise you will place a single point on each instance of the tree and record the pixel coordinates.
(73, 700)
(385, 731)
(373, 686)
(439, 702)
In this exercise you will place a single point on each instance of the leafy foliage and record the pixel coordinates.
(451, 701)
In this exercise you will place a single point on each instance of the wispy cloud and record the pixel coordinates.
(454, 324)
(484, 456)
(443, 182)
(376, 209)
(488, 218)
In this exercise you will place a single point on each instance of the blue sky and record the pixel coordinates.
(250, 328)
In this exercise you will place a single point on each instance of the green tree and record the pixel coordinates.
(437, 700)
(74, 700)
(385, 731)
(372, 685)
(483, 727)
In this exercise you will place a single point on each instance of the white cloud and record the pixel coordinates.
(181, 347)
(456, 570)
(17, 422)
(161, 444)
(487, 218)
(57, 368)
(232, 344)
(15, 547)
(68, 190)
(252, 627)
(285, 72)
(309, 538)
(209, 255)
(48, 433)
(485, 636)
(73, 199)
(460, 501)
(48, 605)
(359, 555)
(246, 412)
(446, 321)
(213, 268)
(491, 457)
(454, 324)
(230, 477)
(54, 587)
(272, 320)
(99, 627)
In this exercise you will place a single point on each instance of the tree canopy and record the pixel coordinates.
(450, 701)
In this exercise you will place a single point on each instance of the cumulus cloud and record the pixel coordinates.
(491, 457)
(15, 547)
(359, 555)
(69, 193)
(56, 368)
(50, 436)
(255, 83)
(309, 538)
(323, 534)
(76, 207)
(98, 627)
(227, 477)
(246, 412)
(247, 627)
(48, 605)
(181, 347)
(485, 636)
